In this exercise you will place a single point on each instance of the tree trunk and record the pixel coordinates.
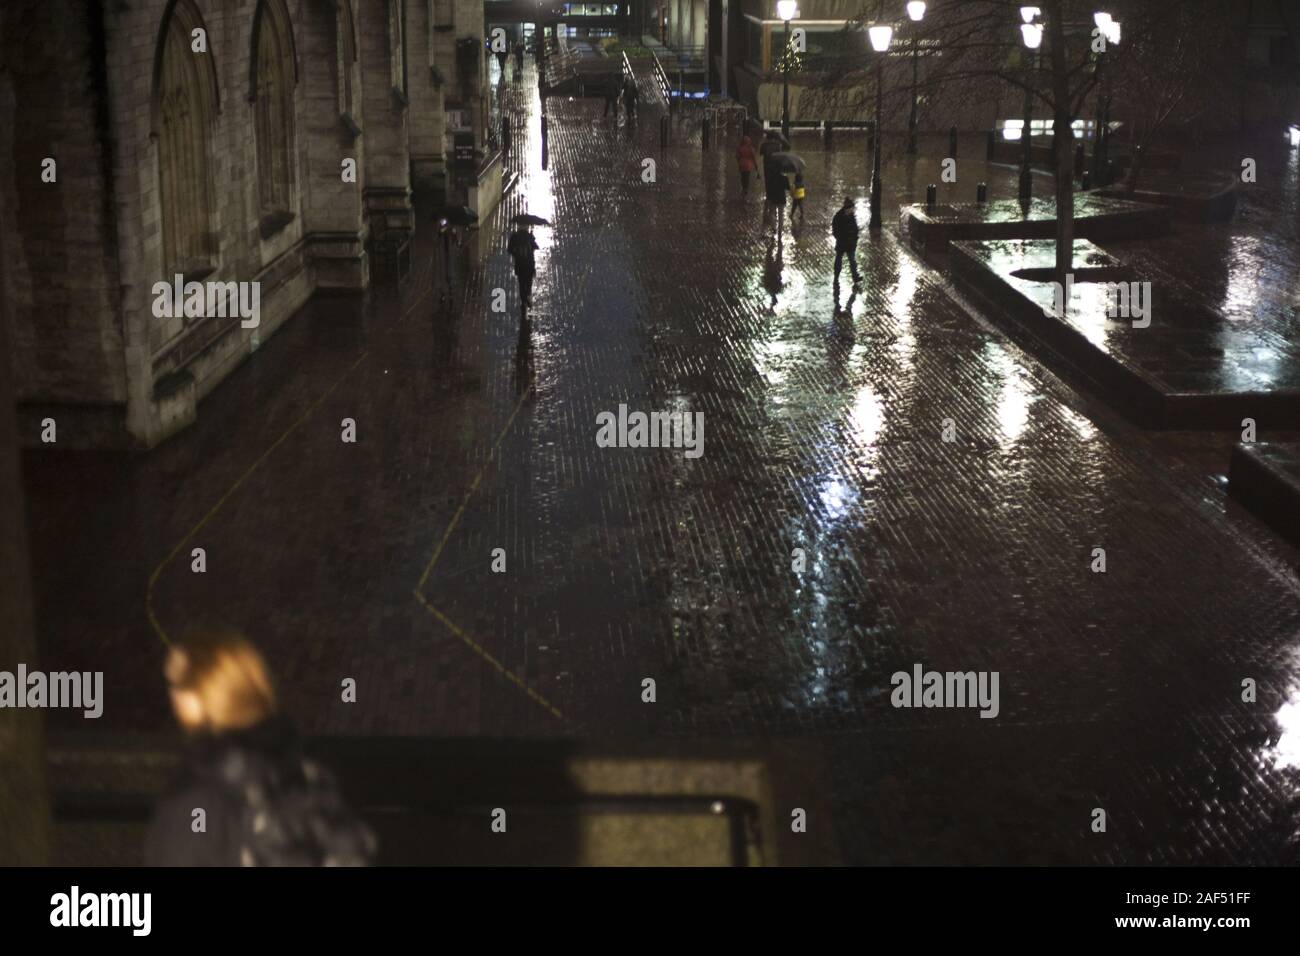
(1134, 170)
(1061, 121)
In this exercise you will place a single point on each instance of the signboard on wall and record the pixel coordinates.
(463, 148)
(458, 121)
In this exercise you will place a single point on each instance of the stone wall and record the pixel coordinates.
(79, 84)
(58, 243)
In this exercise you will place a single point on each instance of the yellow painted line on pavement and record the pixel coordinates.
(212, 512)
(473, 487)
(451, 527)
(504, 671)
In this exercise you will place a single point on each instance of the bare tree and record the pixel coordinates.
(973, 42)
(1174, 72)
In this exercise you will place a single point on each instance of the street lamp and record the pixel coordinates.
(880, 35)
(1029, 14)
(915, 10)
(787, 10)
(1032, 35)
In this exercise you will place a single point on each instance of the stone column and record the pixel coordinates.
(387, 194)
(427, 77)
(332, 209)
(24, 805)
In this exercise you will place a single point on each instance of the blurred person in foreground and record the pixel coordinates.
(263, 802)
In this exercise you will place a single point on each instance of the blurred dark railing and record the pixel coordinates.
(741, 815)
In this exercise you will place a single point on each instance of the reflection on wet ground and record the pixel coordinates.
(828, 537)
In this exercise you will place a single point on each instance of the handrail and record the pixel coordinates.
(742, 815)
(661, 80)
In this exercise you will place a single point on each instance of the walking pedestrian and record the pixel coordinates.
(745, 160)
(447, 238)
(630, 97)
(519, 60)
(264, 803)
(797, 194)
(844, 227)
(521, 247)
(774, 182)
(613, 92)
(502, 58)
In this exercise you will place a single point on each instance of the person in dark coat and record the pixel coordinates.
(263, 803)
(844, 227)
(502, 58)
(519, 60)
(631, 95)
(448, 240)
(775, 185)
(521, 247)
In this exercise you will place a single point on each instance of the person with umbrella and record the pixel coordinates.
(521, 246)
(448, 220)
(780, 163)
(844, 227)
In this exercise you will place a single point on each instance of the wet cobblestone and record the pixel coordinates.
(823, 431)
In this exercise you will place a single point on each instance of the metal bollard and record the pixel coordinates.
(827, 132)
(871, 136)
(1078, 160)
(982, 192)
(664, 129)
(931, 195)
(952, 142)
(705, 129)
(544, 150)
(1085, 181)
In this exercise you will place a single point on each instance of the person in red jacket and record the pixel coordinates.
(745, 160)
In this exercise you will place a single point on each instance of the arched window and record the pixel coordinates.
(347, 64)
(184, 105)
(274, 77)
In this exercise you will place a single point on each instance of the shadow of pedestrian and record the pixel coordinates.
(524, 355)
(773, 266)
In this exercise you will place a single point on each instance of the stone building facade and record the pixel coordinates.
(210, 139)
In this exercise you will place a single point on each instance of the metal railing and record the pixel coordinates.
(743, 833)
(721, 113)
(661, 79)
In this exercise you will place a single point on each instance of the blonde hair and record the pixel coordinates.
(227, 675)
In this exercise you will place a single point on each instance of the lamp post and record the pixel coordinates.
(880, 35)
(1110, 29)
(915, 10)
(787, 10)
(1032, 35)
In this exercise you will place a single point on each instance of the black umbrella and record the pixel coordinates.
(457, 215)
(789, 162)
(528, 219)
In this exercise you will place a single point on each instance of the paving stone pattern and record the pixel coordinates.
(822, 432)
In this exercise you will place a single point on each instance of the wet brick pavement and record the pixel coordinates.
(822, 431)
